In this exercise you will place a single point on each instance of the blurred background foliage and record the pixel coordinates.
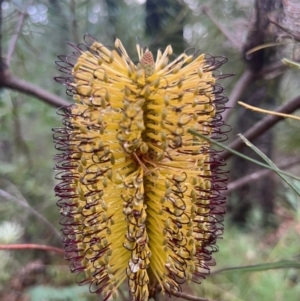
(254, 235)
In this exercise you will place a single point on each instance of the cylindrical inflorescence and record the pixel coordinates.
(139, 194)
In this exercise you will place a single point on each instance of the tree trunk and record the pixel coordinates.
(262, 93)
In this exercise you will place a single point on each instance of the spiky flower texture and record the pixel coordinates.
(139, 194)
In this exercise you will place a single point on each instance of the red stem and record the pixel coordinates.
(31, 246)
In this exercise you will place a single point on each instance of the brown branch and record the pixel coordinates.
(259, 174)
(15, 83)
(24, 204)
(2, 64)
(261, 127)
(272, 70)
(189, 297)
(32, 246)
(290, 34)
(236, 45)
(19, 279)
(14, 39)
(246, 79)
(7, 80)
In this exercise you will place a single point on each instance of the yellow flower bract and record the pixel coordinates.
(139, 184)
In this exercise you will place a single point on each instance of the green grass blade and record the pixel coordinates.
(193, 132)
(270, 163)
(282, 264)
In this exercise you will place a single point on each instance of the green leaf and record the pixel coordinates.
(282, 264)
(193, 132)
(270, 163)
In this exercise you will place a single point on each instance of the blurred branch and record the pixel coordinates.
(235, 44)
(40, 217)
(32, 246)
(259, 174)
(7, 80)
(74, 22)
(189, 297)
(272, 70)
(261, 127)
(21, 277)
(20, 143)
(2, 65)
(14, 39)
(15, 83)
(247, 79)
(244, 81)
(121, 294)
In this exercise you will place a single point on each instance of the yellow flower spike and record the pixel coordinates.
(139, 195)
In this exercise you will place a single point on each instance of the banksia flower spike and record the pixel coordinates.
(139, 194)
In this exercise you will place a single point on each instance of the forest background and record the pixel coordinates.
(259, 255)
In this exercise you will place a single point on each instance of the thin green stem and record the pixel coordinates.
(193, 132)
(269, 162)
